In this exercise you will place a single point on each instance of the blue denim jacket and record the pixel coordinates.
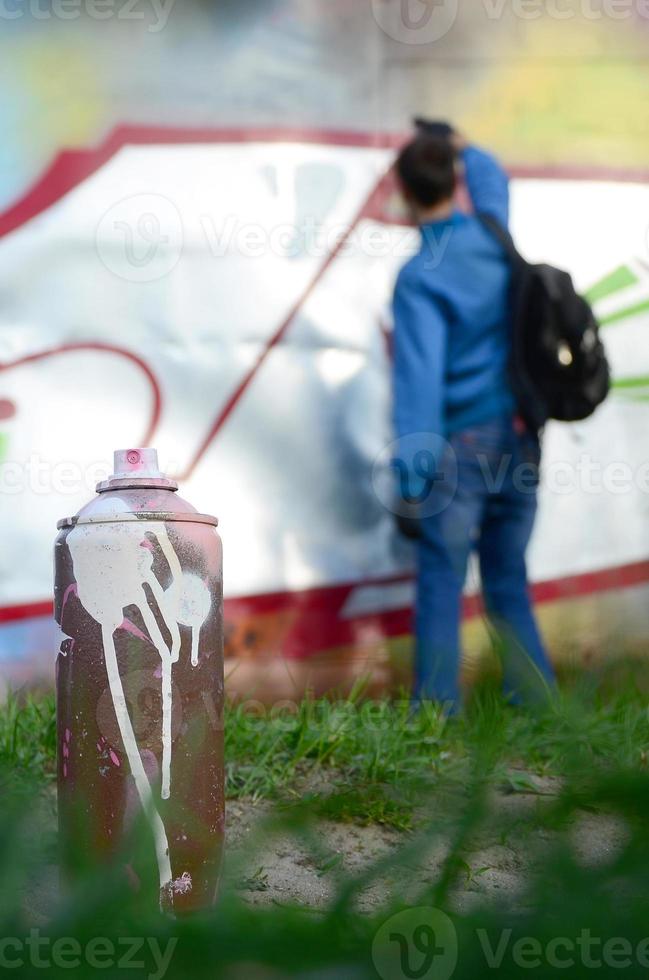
(451, 332)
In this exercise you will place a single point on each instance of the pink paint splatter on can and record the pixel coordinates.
(114, 759)
(68, 734)
(72, 589)
(132, 628)
(183, 885)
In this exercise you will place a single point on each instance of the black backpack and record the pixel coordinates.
(558, 365)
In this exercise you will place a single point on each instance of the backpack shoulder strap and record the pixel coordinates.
(501, 234)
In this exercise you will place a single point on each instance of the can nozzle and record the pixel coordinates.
(136, 462)
(136, 468)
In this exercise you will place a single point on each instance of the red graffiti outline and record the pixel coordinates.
(156, 394)
(320, 627)
(279, 334)
(70, 168)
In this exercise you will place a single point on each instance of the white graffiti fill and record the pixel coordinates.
(112, 574)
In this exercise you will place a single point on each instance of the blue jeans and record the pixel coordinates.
(488, 506)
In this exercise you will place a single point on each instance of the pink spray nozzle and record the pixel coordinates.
(136, 468)
(139, 462)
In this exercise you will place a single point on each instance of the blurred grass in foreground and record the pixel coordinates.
(364, 762)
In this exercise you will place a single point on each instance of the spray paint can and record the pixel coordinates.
(138, 601)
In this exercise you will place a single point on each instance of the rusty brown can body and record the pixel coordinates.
(138, 599)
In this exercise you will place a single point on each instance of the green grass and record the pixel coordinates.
(350, 755)
(364, 804)
(28, 737)
(430, 780)
(366, 749)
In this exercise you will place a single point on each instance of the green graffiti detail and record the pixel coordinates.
(620, 278)
(4, 445)
(642, 382)
(624, 313)
(635, 388)
(616, 282)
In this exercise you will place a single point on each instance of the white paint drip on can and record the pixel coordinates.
(112, 577)
(195, 605)
(135, 761)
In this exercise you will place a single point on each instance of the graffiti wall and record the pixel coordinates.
(234, 314)
(207, 269)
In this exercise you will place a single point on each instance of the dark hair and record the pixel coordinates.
(426, 169)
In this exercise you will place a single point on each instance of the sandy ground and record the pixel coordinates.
(500, 862)
(266, 866)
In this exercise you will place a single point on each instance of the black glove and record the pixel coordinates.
(431, 127)
(410, 527)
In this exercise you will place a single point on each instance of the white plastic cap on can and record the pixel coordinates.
(136, 462)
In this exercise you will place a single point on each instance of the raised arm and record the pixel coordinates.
(487, 183)
(419, 367)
